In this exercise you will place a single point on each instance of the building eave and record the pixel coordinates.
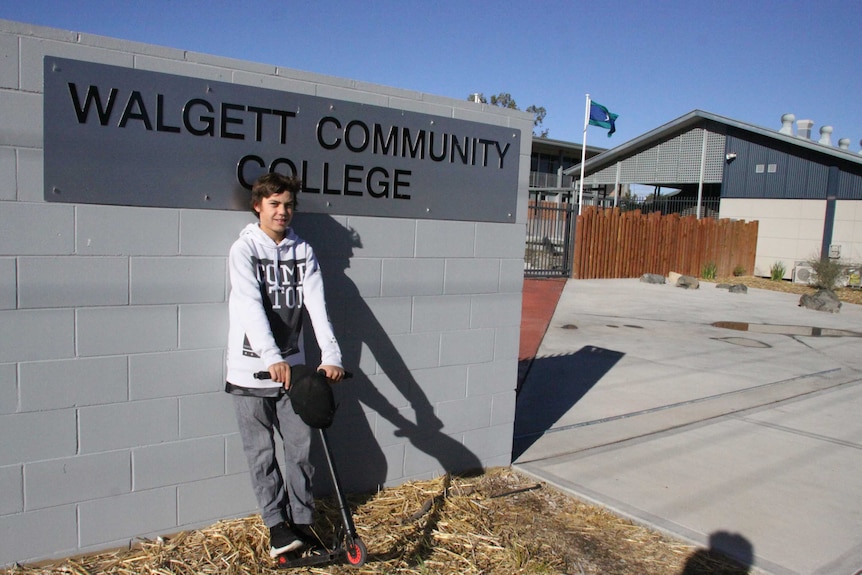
(574, 147)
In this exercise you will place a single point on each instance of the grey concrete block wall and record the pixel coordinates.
(113, 322)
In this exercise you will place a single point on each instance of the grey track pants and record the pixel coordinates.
(281, 498)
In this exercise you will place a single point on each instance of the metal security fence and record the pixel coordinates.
(550, 233)
(684, 206)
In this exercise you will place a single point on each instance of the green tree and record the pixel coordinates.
(505, 100)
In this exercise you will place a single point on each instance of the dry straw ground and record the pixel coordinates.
(497, 523)
(500, 522)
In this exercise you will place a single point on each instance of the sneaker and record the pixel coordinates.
(283, 540)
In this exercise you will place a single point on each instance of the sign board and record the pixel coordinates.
(123, 136)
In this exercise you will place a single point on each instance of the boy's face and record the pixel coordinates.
(276, 212)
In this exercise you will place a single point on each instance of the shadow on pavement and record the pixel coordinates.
(551, 387)
(728, 554)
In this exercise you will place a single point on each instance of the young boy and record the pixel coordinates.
(274, 275)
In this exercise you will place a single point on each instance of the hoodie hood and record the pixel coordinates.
(259, 237)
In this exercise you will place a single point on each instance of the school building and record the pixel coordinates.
(805, 193)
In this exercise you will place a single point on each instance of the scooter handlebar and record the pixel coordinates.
(267, 375)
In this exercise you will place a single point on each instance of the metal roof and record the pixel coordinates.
(712, 122)
(573, 147)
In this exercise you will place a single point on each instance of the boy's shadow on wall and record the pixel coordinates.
(366, 435)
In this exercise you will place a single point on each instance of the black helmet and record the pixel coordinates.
(311, 396)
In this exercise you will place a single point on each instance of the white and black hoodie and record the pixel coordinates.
(270, 285)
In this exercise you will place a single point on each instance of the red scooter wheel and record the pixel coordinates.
(356, 552)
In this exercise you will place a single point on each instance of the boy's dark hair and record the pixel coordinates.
(273, 183)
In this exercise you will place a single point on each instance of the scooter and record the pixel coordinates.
(346, 543)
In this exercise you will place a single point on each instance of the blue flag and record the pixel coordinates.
(601, 117)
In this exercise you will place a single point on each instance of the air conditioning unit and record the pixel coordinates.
(804, 274)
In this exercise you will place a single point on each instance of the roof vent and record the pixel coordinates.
(826, 135)
(804, 128)
(787, 124)
(844, 143)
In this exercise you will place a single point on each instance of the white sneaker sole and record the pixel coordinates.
(292, 546)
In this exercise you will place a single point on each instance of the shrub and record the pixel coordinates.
(776, 272)
(828, 272)
(738, 271)
(709, 271)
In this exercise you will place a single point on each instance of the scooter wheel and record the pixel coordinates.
(355, 552)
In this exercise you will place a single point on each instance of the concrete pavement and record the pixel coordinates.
(752, 427)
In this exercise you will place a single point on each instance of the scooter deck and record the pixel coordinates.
(316, 556)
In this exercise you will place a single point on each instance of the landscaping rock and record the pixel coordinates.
(822, 300)
(688, 282)
(653, 279)
(673, 277)
(738, 288)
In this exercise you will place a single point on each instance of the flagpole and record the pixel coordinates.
(584, 154)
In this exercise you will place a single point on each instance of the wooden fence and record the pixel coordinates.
(614, 244)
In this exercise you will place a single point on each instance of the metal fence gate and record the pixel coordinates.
(550, 237)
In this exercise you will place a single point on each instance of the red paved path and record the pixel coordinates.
(538, 304)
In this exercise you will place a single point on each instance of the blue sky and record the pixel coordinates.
(648, 61)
